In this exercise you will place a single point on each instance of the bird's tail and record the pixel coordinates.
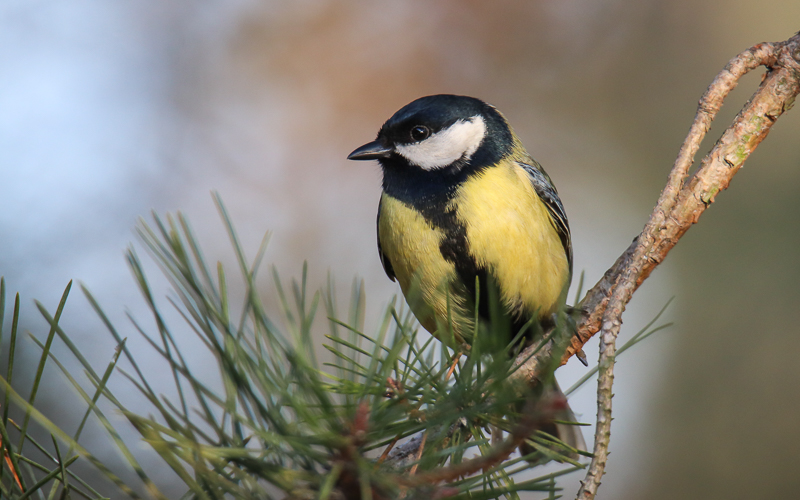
(559, 439)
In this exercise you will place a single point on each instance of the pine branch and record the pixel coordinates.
(538, 412)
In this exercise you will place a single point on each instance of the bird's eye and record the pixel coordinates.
(420, 133)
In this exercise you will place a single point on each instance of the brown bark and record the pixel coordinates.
(680, 205)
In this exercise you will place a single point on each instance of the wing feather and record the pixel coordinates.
(547, 192)
(387, 266)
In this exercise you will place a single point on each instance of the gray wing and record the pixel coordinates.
(547, 192)
(387, 266)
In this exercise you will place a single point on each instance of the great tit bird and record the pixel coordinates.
(462, 199)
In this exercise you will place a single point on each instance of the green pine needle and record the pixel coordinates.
(282, 419)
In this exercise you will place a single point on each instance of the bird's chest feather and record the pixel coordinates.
(493, 222)
(510, 233)
(412, 244)
(410, 240)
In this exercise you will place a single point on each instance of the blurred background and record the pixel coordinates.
(111, 109)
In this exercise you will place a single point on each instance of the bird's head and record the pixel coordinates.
(440, 133)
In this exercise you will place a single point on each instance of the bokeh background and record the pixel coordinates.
(111, 109)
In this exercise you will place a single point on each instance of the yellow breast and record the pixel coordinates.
(510, 233)
(412, 246)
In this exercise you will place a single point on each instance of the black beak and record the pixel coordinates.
(372, 151)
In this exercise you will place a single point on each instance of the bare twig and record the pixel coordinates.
(670, 219)
(683, 201)
(680, 205)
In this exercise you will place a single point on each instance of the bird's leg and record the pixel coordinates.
(453, 366)
(573, 327)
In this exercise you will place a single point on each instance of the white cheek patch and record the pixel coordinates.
(460, 139)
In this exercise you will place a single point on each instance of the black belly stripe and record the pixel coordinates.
(455, 249)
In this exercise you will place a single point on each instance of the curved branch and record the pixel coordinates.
(683, 201)
(680, 205)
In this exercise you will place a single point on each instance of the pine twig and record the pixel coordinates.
(537, 412)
